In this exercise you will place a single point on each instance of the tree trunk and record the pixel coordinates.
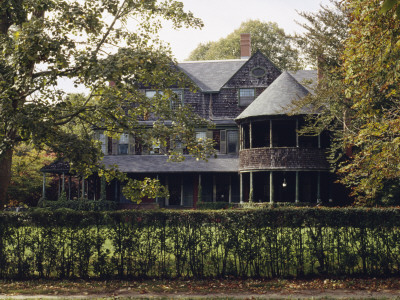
(5, 176)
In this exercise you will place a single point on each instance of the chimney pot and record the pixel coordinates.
(245, 45)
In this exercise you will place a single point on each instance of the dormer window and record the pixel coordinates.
(246, 96)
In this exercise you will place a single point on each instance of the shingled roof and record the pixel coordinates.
(210, 76)
(307, 78)
(277, 98)
(160, 164)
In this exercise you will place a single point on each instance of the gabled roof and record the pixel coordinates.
(210, 76)
(277, 98)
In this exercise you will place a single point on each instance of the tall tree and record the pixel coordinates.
(372, 77)
(322, 44)
(265, 36)
(88, 41)
(27, 180)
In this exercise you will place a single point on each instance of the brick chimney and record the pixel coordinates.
(245, 45)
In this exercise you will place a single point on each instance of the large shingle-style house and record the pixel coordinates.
(261, 157)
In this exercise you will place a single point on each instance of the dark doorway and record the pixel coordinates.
(261, 186)
(174, 187)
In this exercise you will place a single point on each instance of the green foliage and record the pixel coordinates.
(215, 205)
(27, 180)
(266, 37)
(89, 42)
(136, 190)
(325, 31)
(80, 205)
(267, 243)
(371, 68)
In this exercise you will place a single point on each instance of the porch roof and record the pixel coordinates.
(160, 164)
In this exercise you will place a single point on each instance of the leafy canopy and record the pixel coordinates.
(92, 42)
(266, 37)
(372, 78)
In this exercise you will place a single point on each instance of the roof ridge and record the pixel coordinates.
(210, 61)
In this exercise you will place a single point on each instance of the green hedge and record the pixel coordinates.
(215, 205)
(278, 242)
(81, 204)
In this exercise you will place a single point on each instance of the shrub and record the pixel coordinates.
(276, 242)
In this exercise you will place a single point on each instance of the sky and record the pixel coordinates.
(221, 17)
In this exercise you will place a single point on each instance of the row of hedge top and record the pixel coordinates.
(280, 242)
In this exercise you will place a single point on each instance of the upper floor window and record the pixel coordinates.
(103, 139)
(233, 141)
(246, 96)
(123, 144)
(150, 93)
(176, 99)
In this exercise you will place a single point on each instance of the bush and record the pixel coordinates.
(215, 205)
(276, 242)
(81, 204)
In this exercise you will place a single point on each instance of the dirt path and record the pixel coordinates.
(297, 294)
(367, 288)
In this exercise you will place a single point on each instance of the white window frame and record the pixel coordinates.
(245, 100)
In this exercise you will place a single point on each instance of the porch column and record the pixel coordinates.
(230, 188)
(297, 188)
(241, 187)
(319, 141)
(44, 186)
(271, 187)
(319, 187)
(251, 135)
(182, 191)
(69, 187)
(83, 188)
(251, 192)
(214, 190)
(166, 185)
(297, 133)
(270, 133)
(79, 188)
(59, 186)
(157, 196)
(199, 190)
(63, 182)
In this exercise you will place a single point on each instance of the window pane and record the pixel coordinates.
(103, 140)
(123, 149)
(232, 141)
(201, 135)
(176, 99)
(124, 139)
(150, 94)
(246, 96)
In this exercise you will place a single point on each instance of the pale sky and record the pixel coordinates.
(221, 17)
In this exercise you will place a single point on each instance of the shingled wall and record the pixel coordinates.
(244, 79)
(282, 158)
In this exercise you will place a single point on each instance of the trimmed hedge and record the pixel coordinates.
(278, 242)
(81, 204)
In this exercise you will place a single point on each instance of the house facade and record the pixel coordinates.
(261, 157)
